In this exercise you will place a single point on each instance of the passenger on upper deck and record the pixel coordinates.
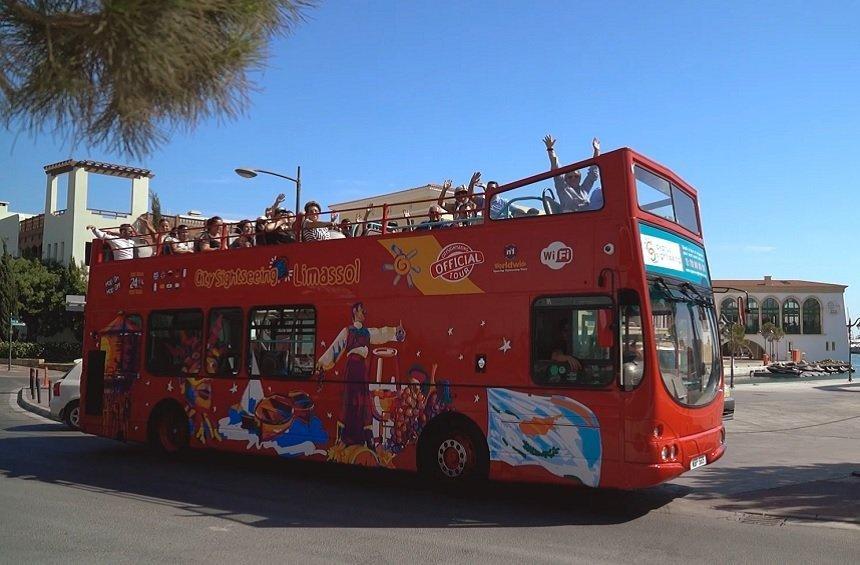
(210, 239)
(434, 219)
(245, 238)
(121, 244)
(573, 195)
(312, 228)
(177, 242)
(280, 228)
(463, 208)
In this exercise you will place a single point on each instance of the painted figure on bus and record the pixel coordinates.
(286, 423)
(198, 409)
(354, 343)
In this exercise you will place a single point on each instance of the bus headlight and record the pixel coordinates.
(664, 453)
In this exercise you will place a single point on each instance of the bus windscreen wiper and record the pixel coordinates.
(699, 297)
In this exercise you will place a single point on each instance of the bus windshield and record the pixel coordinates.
(687, 345)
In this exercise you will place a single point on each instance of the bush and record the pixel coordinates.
(21, 350)
(61, 351)
(52, 352)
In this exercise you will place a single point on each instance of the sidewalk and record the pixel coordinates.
(38, 403)
(34, 405)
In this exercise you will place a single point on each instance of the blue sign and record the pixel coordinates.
(668, 254)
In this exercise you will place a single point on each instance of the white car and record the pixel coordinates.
(66, 401)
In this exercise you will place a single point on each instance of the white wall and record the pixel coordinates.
(10, 227)
(815, 347)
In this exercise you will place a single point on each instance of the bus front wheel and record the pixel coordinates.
(169, 430)
(454, 452)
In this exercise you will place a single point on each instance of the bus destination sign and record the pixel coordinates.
(667, 254)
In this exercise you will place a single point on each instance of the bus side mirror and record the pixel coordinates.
(605, 328)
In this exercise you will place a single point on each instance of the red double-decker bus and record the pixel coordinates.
(566, 333)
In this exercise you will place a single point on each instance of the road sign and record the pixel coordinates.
(75, 302)
(17, 323)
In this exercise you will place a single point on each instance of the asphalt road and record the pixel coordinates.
(66, 497)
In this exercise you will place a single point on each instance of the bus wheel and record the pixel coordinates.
(171, 430)
(454, 453)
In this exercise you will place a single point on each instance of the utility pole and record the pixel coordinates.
(9, 366)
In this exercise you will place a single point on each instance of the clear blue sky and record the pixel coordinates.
(754, 104)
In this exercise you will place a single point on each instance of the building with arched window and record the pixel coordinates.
(811, 315)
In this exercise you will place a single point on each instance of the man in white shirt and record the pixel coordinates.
(120, 243)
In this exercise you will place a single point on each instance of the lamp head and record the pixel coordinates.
(246, 173)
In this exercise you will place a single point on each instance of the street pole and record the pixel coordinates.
(298, 188)
(9, 366)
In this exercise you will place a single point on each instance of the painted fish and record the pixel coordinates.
(538, 426)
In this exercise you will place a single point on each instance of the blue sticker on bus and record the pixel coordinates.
(668, 254)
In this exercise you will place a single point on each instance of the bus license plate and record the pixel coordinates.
(699, 461)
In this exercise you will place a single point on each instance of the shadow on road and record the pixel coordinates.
(826, 490)
(842, 387)
(53, 427)
(271, 492)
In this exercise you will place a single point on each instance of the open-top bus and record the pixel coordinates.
(564, 345)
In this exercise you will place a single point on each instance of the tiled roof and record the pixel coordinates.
(778, 285)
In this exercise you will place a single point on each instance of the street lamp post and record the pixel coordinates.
(250, 173)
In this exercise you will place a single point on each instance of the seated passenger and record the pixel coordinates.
(573, 195)
(210, 239)
(245, 238)
(312, 228)
(561, 349)
(177, 241)
(260, 231)
(121, 244)
(434, 220)
(345, 228)
(281, 227)
(463, 208)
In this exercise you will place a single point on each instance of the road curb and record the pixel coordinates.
(32, 407)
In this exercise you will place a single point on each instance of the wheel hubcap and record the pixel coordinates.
(74, 416)
(452, 458)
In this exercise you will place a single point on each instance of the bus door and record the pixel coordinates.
(567, 424)
(112, 367)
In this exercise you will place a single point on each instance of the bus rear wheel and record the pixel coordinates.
(170, 432)
(454, 454)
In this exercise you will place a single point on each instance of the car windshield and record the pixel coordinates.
(686, 338)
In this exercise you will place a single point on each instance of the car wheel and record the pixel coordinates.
(72, 415)
(453, 453)
(171, 430)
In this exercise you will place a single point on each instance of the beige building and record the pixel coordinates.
(64, 234)
(417, 200)
(812, 315)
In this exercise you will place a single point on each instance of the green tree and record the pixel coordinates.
(155, 206)
(772, 334)
(8, 292)
(35, 285)
(42, 290)
(124, 73)
(735, 339)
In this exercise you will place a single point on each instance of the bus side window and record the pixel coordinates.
(566, 348)
(224, 342)
(282, 341)
(174, 342)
